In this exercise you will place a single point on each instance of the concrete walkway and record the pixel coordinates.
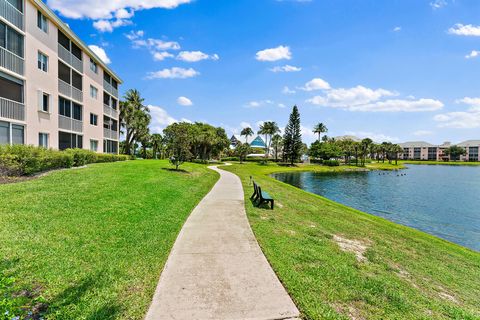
(216, 269)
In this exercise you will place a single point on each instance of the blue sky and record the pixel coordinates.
(393, 70)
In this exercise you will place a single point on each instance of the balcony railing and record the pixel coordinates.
(12, 110)
(11, 61)
(109, 111)
(11, 14)
(110, 89)
(70, 124)
(69, 91)
(110, 134)
(69, 58)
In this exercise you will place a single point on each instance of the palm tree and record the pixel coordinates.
(320, 128)
(247, 132)
(134, 118)
(277, 142)
(157, 144)
(268, 128)
(396, 149)
(365, 145)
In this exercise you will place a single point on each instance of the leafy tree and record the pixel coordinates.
(247, 132)
(178, 140)
(325, 150)
(277, 143)
(134, 119)
(454, 152)
(268, 128)
(157, 145)
(292, 144)
(242, 150)
(145, 140)
(320, 128)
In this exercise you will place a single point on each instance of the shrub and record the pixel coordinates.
(331, 163)
(82, 157)
(230, 159)
(317, 161)
(106, 157)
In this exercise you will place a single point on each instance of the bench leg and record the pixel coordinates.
(253, 195)
(272, 204)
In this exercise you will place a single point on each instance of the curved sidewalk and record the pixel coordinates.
(216, 269)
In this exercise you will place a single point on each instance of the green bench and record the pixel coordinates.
(261, 196)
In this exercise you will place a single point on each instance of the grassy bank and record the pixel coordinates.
(339, 263)
(449, 163)
(91, 243)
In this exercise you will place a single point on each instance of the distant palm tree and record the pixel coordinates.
(365, 147)
(396, 149)
(247, 132)
(157, 144)
(320, 128)
(277, 142)
(268, 128)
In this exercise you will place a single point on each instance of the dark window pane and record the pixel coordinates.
(79, 142)
(114, 125)
(106, 99)
(64, 72)
(114, 104)
(106, 77)
(17, 134)
(114, 84)
(18, 4)
(77, 80)
(64, 140)
(106, 122)
(45, 105)
(77, 112)
(63, 40)
(64, 107)
(3, 34)
(11, 90)
(14, 42)
(4, 133)
(76, 51)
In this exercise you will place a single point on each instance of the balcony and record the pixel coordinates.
(110, 89)
(109, 111)
(69, 91)
(69, 58)
(11, 14)
(70, 124)
(11, 61)
(12, 110)
(110, 134)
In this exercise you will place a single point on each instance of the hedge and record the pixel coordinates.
(331, 163)
(20, 160)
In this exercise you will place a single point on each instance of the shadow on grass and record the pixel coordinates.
(175, 170)
(263, 206)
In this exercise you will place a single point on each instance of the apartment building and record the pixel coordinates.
(421, 150)
(54, 91)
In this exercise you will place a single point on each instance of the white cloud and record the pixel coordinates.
(281, 105)
(287, 90)
(109, 25)
(399, 105)
(259, 103)
(346, 98)
(316, 84)
(107, 9)
(173, 73)
(422, 133)
(473, 54)
(377, 137)
(274, 54)
(244, 124)
(134, 35)
(438, 4)
(465, 30)
(468, 119)
(160, 56)
(155, 44)
(285, 68)
(184, 101)
(160, 118)
(194, 56)
(397, 29)
(100, 52)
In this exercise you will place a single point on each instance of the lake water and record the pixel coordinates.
(441, 200)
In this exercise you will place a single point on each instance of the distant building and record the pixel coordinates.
(421, 150)
(255, 143)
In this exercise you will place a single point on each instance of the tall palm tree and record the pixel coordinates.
(277, 142)
(268, 128)
(396, 149)
(247, 132)
(157, 144)
(134, 118)
(365, 145)
(320, 128)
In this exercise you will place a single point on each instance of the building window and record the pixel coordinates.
(18, 134)
(69, 140)
(110, 146)
(42, 62)
(11, 88)
(11, 133)
(42, 22)
(70, 109)
(93, 119)
(43, 140)
(11, 40)
(4, 133)
(18, 4)
(93, 92)
(93, 66)
(44, 101)
(94, 145)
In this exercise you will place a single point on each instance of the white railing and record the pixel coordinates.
(11, 14)
(70, 124)
(70, 91)
(11, 61)
(109, 111)
(12, 110)
(110, 89)
(69, 58)
(110, 134)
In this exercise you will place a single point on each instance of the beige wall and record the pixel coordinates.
(38, 80)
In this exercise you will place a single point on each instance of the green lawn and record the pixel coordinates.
(404, 274)
(90, 243)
